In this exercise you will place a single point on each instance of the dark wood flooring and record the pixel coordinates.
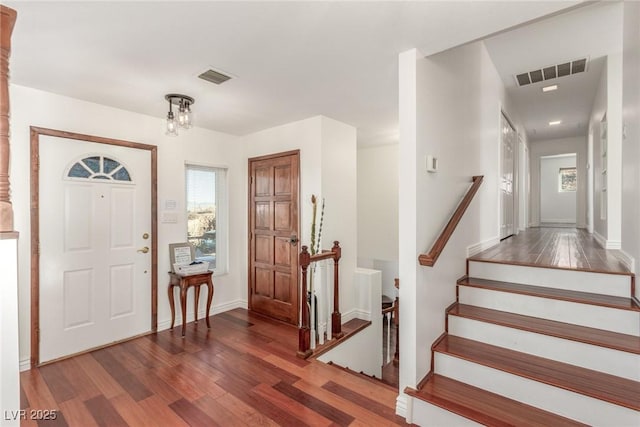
(567, 248)
(243, 371)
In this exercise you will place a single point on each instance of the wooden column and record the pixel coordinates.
(336, 317)
(396, 318)
(7, 21)
(304, 332)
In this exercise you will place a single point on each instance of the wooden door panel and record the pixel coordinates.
(273, 220)
(282, 252)
(263, 249)
(282, 287)
(282, 216)
(282, 180)
(263, 282)
(263, 215)
(263, 181)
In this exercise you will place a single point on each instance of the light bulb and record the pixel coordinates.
(181, 115)
(172, 125)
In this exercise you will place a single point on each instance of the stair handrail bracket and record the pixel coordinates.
(304, 329)
(429, 259)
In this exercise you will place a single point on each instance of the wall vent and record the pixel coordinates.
(552, 72)
(214, 77)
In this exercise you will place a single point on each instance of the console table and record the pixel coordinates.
(184, 283)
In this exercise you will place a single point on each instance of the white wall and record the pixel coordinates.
(31, 107)
(327, 169)
(9, 359)
(556, 206)
(554, 147)
(378, 212)
(631, 143)
(450, 108)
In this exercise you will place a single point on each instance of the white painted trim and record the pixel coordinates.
(356, 314)
(558, 220)
(402, 406)
(216, 309)
(600, 239)
(476, 248)
(613, 244)
(627, 260)
(25, 364)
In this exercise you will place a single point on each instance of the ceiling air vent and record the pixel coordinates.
(214, 77)
(552, 72)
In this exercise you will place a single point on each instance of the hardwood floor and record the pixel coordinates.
(243, 371)
(567, 248)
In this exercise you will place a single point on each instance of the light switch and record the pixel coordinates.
(432, 163)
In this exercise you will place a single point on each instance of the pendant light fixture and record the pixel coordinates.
(184, 118)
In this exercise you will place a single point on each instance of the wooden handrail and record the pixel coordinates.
(304, 331)
(430, 259)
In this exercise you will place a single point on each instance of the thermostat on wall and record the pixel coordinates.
(432, 164)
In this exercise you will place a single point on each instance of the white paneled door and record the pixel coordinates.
(95, 245)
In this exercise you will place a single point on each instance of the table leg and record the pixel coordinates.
(183, 305)
(195, 308)
(172, 304)
(209, 299)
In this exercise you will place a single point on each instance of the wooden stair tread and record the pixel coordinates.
(616, 390)
(483, 406)
(599, 337)
(552, 293)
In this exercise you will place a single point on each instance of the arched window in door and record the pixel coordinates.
(99, 167)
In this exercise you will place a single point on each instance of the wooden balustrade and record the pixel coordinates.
(430, 259)
(7, 21)
(304, 331)
(396, 321)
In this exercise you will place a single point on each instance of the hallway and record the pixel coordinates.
(564, 248)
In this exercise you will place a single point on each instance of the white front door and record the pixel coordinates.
(95, 223)
(507, 172)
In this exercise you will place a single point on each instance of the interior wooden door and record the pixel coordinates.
(273, 235)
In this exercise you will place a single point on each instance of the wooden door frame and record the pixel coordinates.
(36, 132)
(257, 159)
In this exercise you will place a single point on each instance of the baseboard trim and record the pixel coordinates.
(25, 364)
(402, 407)
(216, 309)
(627, 260)
(476, 248)
(613, 244)
(355, 314)
(600, 239)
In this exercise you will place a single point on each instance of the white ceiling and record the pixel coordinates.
(289, 60)
(593, 31)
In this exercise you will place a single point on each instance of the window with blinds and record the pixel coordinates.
(206, 205)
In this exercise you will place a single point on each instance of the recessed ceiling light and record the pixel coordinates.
(555, 122)
(550, 88)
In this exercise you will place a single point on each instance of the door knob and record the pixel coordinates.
(293, 240)
(144, 250)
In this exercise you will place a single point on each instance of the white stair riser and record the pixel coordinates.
(553, 399)
(614, 362)
(611, 319)
(427, 414)
(583, 281)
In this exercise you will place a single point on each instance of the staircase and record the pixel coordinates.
(534, 346)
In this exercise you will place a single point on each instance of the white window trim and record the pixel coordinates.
(222, 215)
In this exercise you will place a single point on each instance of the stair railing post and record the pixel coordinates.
(396, 318)
(336, 317)
(304, 333)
